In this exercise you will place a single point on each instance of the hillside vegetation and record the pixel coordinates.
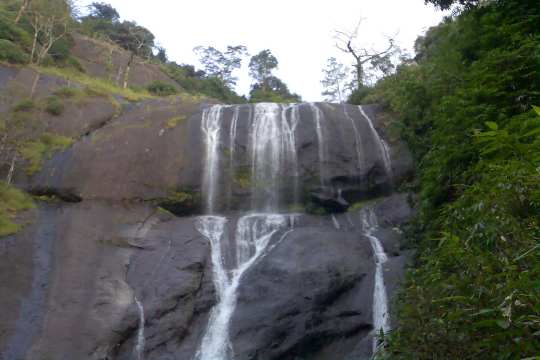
(466, 106)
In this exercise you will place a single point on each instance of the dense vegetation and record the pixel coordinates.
(466, 108)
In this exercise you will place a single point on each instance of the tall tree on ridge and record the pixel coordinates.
(222, 64)
(346, 42)
(261, 67)
(335, 76)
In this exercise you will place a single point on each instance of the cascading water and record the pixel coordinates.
(238, 242)
(211, 128)
(273, 150)
(318, 119)
(381, 321)
(139, 345)
(381, 144)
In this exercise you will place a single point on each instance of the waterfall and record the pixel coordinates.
(357, 140)
(139, 345)
(273, 152)
(335, 222)
(381, 321)
(381, 144)
(252, 237)
(211, 127)
(239, 242)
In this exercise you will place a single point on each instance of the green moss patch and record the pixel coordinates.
(12, 201)
(174, 121)
(34, 151)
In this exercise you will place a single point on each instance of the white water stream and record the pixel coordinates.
(272, 152)
(381, 319)
(252, 238)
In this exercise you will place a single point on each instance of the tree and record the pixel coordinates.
(346, 42)
(261, 67)
(22, 10)
(446, 4)
(103, 11)
(275, 91)
(221, 64)
(335, 76)
(161, 54)
(49, 20)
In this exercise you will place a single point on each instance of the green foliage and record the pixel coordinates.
(196, 82)
(160, 88)
(34, 151)
(174, 121)
(360, 96)
(95, 86)
(465, 107)
(13, 32)
(261, 66)
(12, 201)
(68, 92)
(103, 21)
(12, 53)
(54, 105)
(24, 105)
(272, 90)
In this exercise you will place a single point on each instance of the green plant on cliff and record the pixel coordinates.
(160, 88)
(12, 201)
(34, 151)
(465, 108)
(95, 86)
(11, 53)
(54, 105)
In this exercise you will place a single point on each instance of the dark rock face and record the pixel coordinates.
(107, 61)
(308, 297)
(311, 296)
(156, 147)
(72, 278)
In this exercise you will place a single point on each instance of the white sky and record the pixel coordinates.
(298, 32)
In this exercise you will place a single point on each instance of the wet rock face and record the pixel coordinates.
(309, 294)
(74, 276)
(156, 149)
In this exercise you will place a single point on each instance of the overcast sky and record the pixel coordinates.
(298, 32)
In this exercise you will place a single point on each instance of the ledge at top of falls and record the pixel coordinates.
(155, 151)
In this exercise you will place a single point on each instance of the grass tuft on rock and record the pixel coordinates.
(12, 201)
(34, 151)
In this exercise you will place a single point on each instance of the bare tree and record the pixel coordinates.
(346, 41)
(139, 38)
(335, 76)
(22, 10)
(49, 20)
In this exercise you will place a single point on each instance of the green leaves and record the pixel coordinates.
(466, 109)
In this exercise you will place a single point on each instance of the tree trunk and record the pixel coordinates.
(34, 44)
(11, 169)
(22, 9)
(359, 75)
(126, 72)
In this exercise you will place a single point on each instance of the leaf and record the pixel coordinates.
(531, 133)
(483, 311)
(503, 324)
(536, 109)
(492, 125)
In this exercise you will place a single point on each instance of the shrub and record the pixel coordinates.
(11, 201)
(35, 150)
(24, 105)
(159, 88)
(68, 92)
(12, 53)
(54, 105)
(13, 32)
